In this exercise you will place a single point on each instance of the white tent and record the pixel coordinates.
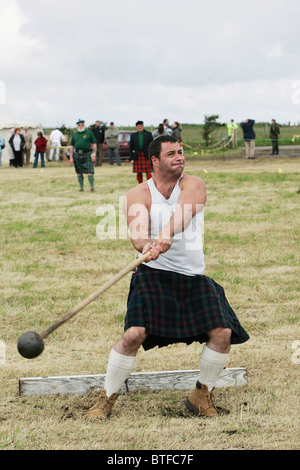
(7, 125)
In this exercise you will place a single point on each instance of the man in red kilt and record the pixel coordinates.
(138, 148)
(170, 299)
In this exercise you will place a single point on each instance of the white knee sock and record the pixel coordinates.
(118, 370)
(211, 365)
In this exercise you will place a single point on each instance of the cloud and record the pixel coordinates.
(123, 60)
(17, 47)
(273, 51)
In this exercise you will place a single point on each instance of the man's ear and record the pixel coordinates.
(155, 161)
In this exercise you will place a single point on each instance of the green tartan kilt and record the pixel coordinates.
(83, 163)
(175, 308)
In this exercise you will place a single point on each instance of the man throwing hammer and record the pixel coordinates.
(170, 299)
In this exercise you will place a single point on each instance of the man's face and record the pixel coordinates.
(97, 124)
(81, 127)
(140, 127)
(172, 159)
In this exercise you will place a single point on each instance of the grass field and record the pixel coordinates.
(51, 258)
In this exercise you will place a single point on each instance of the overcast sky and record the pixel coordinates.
(125, 60)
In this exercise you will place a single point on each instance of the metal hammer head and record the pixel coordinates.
(30, 345)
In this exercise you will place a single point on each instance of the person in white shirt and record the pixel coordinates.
(56, 138)
(167, 126)
(171, 300)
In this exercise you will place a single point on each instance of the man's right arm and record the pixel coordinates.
(71, 153)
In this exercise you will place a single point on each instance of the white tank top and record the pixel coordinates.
(186, 253)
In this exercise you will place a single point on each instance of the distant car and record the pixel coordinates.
(123, 143)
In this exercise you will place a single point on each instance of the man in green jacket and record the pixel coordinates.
(274, 134)
(83, 153)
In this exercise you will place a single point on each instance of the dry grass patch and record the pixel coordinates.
(51, 258)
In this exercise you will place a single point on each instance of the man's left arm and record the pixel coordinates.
(191, 200)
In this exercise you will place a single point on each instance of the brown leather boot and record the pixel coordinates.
(102, 409)
(201, 401)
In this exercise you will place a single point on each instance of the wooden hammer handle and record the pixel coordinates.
(96, 294)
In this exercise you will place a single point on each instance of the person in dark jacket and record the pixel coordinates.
(99, 133)
(274, 134)
(176, 131)
(17, 143)
(249, 137)
(138, 149)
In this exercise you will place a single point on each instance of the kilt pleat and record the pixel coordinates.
(84, 167)
(141, 164)
(178, 308)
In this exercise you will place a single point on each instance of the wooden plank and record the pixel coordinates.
(165, 380)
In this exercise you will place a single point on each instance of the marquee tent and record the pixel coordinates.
(8, 124)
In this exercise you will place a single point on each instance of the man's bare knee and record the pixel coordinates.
(131, 340)
(220, 333)
(135, 335)
(219, 339)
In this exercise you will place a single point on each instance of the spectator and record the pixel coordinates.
(167, 126)
(176, 132)
(56, 138)
(249, 137)
(83, 153)
(112, 135)
(232, 133)
(40, 148)
(27, 147)
(99, 133)
(161, 130)
(274, 135)
(138, 149)
(2, 145)
(17, 143)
